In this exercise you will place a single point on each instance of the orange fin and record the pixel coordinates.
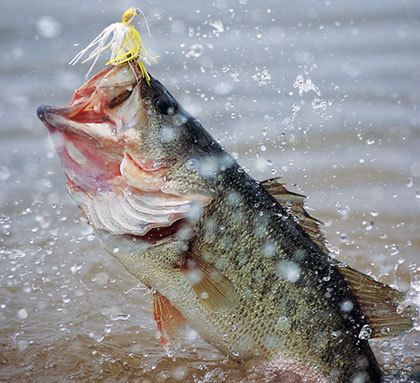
(293, 203)
(168, 319)
(379, 304)
(213, 289)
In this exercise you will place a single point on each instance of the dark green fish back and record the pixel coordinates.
(282, 275)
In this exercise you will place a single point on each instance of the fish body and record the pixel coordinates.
(223, 253)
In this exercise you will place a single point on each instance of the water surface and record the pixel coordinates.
(323, 94)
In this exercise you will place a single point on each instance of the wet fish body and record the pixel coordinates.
(238, 260)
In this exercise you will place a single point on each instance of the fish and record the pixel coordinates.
(238, 260)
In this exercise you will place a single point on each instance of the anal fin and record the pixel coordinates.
(212, 288)
(168, 319)
(379, 304)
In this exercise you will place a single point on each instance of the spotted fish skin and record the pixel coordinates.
(221, 252)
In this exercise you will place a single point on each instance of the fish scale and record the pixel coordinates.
(266, 305)
(240, 261)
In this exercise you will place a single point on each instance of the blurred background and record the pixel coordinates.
(324, 94)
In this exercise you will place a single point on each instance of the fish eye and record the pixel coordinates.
(165, 106)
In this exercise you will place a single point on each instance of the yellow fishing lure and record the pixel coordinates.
(124, 42)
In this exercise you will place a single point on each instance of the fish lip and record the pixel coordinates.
(72, 117)
(44, 111)
(82, 117)
(48, 115)
(41, 111)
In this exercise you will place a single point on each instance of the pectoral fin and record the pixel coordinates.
(379, 304)
(213, 289)
(168, 319)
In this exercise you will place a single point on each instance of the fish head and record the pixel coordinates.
(123, 141)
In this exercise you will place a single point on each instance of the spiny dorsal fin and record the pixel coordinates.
(213, 289)
(379, 303)
(293, 203)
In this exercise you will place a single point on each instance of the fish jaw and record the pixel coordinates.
(88, 135)
(85, 162)
(108, 141)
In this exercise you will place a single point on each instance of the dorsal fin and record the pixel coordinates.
(293, 203)
(379, 303)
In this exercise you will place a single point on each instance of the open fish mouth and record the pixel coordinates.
(117, 189)
(88, 133)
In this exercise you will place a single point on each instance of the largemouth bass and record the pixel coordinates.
(238, 260)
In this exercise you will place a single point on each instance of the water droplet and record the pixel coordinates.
(262, 77)
(359, 377)
(178, 120)
(218, 26)
(4, 173)
(343, 238)
(194, 276)
(365, 332)
(101, 278)
(209, 167)
(180, 372)
(369, 226)
(268, 249)
(415, 169)
(347, 306)
(394, 250)
(196, 50)
(48, 27)
(305, 85)
(283, 323)
(44, 221)
(261, 164)
(22, 345)
(288, 270)
(223, 87)
(192, 334)
(22, 314)
(410, 182)
(75, 268)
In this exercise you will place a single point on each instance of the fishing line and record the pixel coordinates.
(145, 20)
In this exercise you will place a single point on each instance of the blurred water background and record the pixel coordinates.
(322, 93)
